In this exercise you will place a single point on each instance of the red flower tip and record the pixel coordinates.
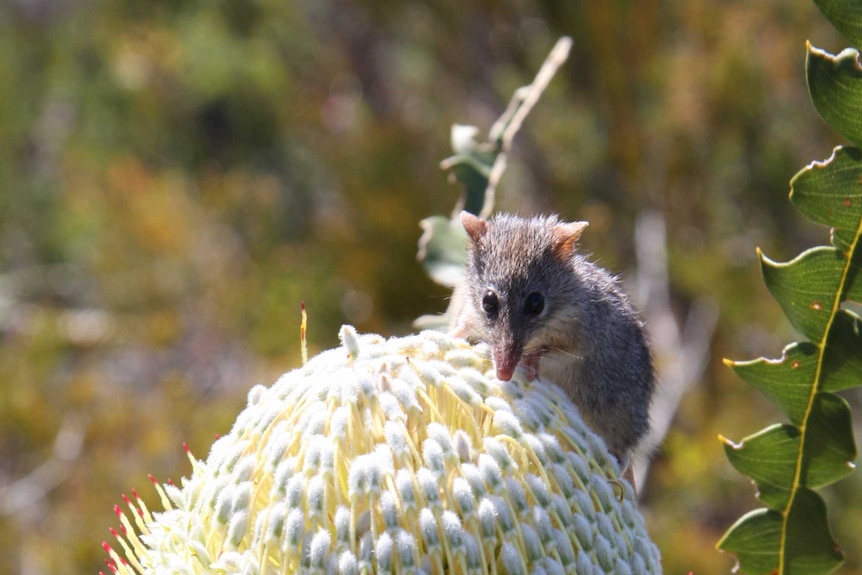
(152, 479)
(126, 499)
(106, 547)
(114, 532)
(170, 481)
(186, 447)
(135, 494)
(118, 511)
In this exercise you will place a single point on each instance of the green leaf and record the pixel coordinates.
(767, 457)
(817, 448)
(471, 166)
(835, 86)
(805, 287)
(755, 539)
(844, 15)
(442, 249)
(830, 192)
(770, 456)
(807, 539)
(766, 541)
(842, 367)
(829, 448)
(819, 291)
(786, 381)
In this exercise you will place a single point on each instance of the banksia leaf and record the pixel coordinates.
(817, 291)
(835, 85)
(844, 15)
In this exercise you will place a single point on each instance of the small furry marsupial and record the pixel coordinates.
(541, 305)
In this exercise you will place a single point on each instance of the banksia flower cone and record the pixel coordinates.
(403, 455)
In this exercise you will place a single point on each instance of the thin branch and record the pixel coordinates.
(683, 354)
(28, 490)
(504, 129)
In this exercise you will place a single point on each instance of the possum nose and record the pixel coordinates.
(505, 373)
(506, 362)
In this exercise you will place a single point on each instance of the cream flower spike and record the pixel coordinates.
(400, 455)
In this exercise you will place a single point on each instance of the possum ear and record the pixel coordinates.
(476, 227)
(565, 235)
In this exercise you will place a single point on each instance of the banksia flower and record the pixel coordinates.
(405, 456)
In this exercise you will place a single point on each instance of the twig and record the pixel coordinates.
(509, 123)
(682, 353)
(23, 493)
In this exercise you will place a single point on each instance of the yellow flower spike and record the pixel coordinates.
(402, 456)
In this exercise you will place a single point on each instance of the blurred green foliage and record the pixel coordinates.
(176, 176)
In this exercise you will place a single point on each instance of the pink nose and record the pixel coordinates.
(505, 361)
(505, 373)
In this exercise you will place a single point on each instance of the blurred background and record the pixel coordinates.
(176, 176)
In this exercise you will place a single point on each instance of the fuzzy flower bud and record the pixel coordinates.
(396, 456)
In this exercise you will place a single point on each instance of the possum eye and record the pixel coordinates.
(534, 304)
(490, 303)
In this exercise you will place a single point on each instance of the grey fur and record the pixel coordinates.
(588, 339)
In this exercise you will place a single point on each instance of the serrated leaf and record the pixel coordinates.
(766, 541)
(830, 193)
(755, 540)
(818, 291)
(768, 457)
(785, 461)
(805, 287)
(842, 239)
(808, 540)
(842, 367)
(786, 381)
(829, 445)
(835, 87)
(844, 15)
